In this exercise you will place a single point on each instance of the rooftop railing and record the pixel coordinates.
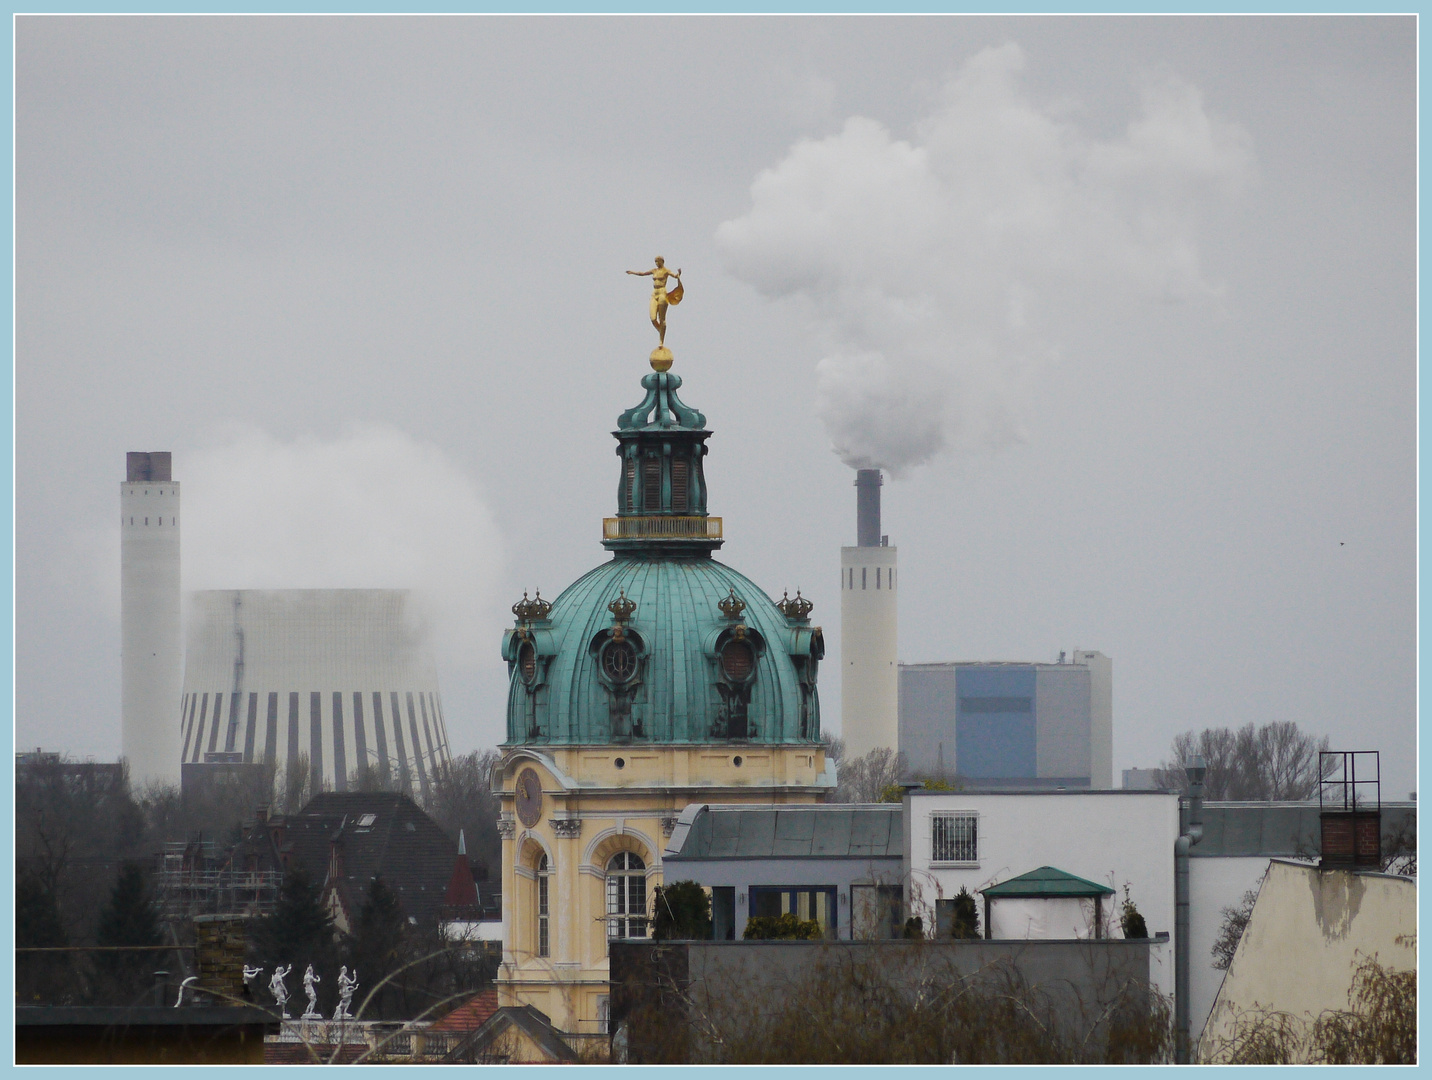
(661, 527)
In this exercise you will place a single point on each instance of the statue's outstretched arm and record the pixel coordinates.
(641, 273)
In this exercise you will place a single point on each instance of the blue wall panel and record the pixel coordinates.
(994, 725)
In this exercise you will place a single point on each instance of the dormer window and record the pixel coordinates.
(527, 662)
(619, 661)
(738, 660)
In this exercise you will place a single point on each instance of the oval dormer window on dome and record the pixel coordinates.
(527, 662)
(738, 661)
(619, 661)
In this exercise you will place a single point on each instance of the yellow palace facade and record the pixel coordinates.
(659, 679)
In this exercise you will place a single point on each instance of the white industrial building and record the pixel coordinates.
(869, 672)
(149, 614)
(340, 678)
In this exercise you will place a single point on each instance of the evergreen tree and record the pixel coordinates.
(39, 977)
(37, 915)
(682, 912)
(965, 919)
(299, 932)
(377, 948)
(129, 919)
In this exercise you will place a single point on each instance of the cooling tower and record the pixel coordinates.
(869, 676)
(337, 678)
(149, 617)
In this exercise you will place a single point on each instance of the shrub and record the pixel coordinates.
(785, 927)
(1131, 920)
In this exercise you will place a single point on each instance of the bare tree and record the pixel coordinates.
(1230, 933)
(460, 798)
(866, 779)
(1275, 762)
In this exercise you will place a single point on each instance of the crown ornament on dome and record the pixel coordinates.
(622, 608)
(732, 606)
(531, 610)
(799, 608)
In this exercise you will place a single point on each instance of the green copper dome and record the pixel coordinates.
(663, 644)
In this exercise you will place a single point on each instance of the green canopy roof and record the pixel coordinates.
(1046, 882)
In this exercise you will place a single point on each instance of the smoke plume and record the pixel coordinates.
(925, 264)
(372, 508)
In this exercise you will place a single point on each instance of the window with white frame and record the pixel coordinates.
(954, 837)
(544, 933)
(626, 896)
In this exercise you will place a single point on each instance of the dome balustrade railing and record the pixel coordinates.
(661, 527)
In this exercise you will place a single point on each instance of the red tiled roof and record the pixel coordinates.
(471, 1014)
(277, 1053)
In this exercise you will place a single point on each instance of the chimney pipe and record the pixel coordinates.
(1192, 833)
(867, 507)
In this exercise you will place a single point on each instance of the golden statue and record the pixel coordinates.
(660, 299)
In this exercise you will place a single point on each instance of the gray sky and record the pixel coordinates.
(1129, 303)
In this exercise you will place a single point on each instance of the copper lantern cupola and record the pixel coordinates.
(661, 492)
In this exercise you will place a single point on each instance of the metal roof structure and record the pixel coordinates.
(1046, 882)
(662, 644)
(840, 831)
(1279, 829)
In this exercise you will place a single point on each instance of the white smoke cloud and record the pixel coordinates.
(923, 262)
(372, 508)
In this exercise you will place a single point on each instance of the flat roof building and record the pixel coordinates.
(1011, 724)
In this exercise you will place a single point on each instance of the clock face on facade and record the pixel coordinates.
(529, 798)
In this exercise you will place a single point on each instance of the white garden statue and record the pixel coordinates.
(251, 975)
(346, 985)
(279, 990)
(310, 981)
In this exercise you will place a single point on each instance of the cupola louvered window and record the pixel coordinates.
(651, 485)
(680, 471)
(629, 496)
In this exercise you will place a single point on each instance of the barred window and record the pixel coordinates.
(954, 838)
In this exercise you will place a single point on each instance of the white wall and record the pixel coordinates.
(869, 675)
(1213, 884)
(149, 629)
(1111, 838)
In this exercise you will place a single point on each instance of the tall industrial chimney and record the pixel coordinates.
(867, 507)
(150, 667)
(869, 677)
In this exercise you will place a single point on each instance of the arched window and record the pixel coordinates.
(544, 934)
(626, 896)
